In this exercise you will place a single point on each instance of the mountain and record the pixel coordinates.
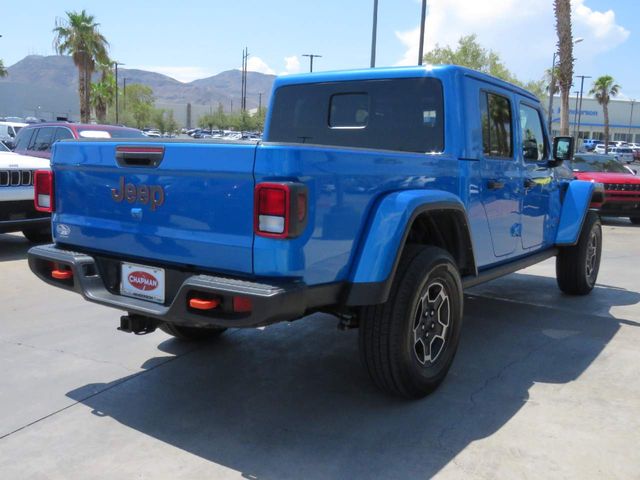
(46, 86)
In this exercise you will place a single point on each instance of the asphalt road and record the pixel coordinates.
(543, 386)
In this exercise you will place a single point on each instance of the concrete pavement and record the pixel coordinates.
(543, 386)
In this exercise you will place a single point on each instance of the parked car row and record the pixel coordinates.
(223, 134)
(626, 152)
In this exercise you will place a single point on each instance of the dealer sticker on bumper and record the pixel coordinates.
(142, 282)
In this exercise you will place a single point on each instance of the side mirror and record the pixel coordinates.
(562, 150)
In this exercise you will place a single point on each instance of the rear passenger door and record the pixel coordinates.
(501, 173)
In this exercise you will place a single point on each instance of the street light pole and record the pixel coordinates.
(124, 94)
(311, 57)
(581, 77)
(552, 85)
(116, 65)
(553, 82)
(117, 109)
(422, 19)
(374, 33)
(631, 118)
(575, 115)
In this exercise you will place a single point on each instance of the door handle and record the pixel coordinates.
(495, 184)
(529, 183)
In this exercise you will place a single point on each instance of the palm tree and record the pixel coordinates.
(78, 36)
(562, 10)
(103, 93)
(603, 89)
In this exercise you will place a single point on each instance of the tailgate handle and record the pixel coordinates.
(139, 156)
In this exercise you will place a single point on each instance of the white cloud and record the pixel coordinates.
(523, 33)
(601, 26)
(182, 74)
(291, 65)
(256, 64)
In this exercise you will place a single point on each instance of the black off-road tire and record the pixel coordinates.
(635, 220)
(42, 235)
(194, 334)
(577, 266)
(391, 333)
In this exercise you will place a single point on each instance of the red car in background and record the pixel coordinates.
(621, 186)
(36, 139)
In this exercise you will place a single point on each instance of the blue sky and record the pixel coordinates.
(189, 40)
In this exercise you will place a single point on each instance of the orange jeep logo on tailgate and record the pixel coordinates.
(144, 194)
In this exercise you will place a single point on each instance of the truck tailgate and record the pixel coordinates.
(194, 208)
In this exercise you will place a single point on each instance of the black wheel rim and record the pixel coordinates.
(592, 256)
(431, 322)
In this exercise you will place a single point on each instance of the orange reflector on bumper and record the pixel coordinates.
(201, 304)
(61, 274)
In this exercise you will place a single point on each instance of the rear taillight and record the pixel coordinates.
(280, 209)
(43, 191)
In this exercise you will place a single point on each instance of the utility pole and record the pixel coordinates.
(581, 77)
(311, 57)
(422, 20)
(374, 33)
(259, 102)
(243, 94)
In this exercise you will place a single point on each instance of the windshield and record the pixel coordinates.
(598, 163)
(3, 148)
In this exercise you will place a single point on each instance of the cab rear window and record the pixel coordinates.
(397, 114)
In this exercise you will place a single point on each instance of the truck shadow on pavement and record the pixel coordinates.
(292, 401)
(13, 247)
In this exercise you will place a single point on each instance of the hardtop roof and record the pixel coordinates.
(397, 72)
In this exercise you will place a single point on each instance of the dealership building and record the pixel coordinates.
(624, 119)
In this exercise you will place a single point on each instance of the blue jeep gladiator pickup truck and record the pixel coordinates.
(377, 195)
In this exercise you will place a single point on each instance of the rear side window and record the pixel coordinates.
(63, 134)
(43, 139)
(24, 137)
(495, 111)
(405, 114)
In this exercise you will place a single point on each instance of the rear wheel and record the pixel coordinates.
(635, 220)
(408, 343)
(42, 235)
(577, 266)
(191, 333)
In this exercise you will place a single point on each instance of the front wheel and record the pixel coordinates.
(196, 334)
(408, 343)
(577, 266)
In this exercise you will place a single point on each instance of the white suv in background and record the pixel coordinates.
(9, 131)
(622, 154)
(17, 211)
